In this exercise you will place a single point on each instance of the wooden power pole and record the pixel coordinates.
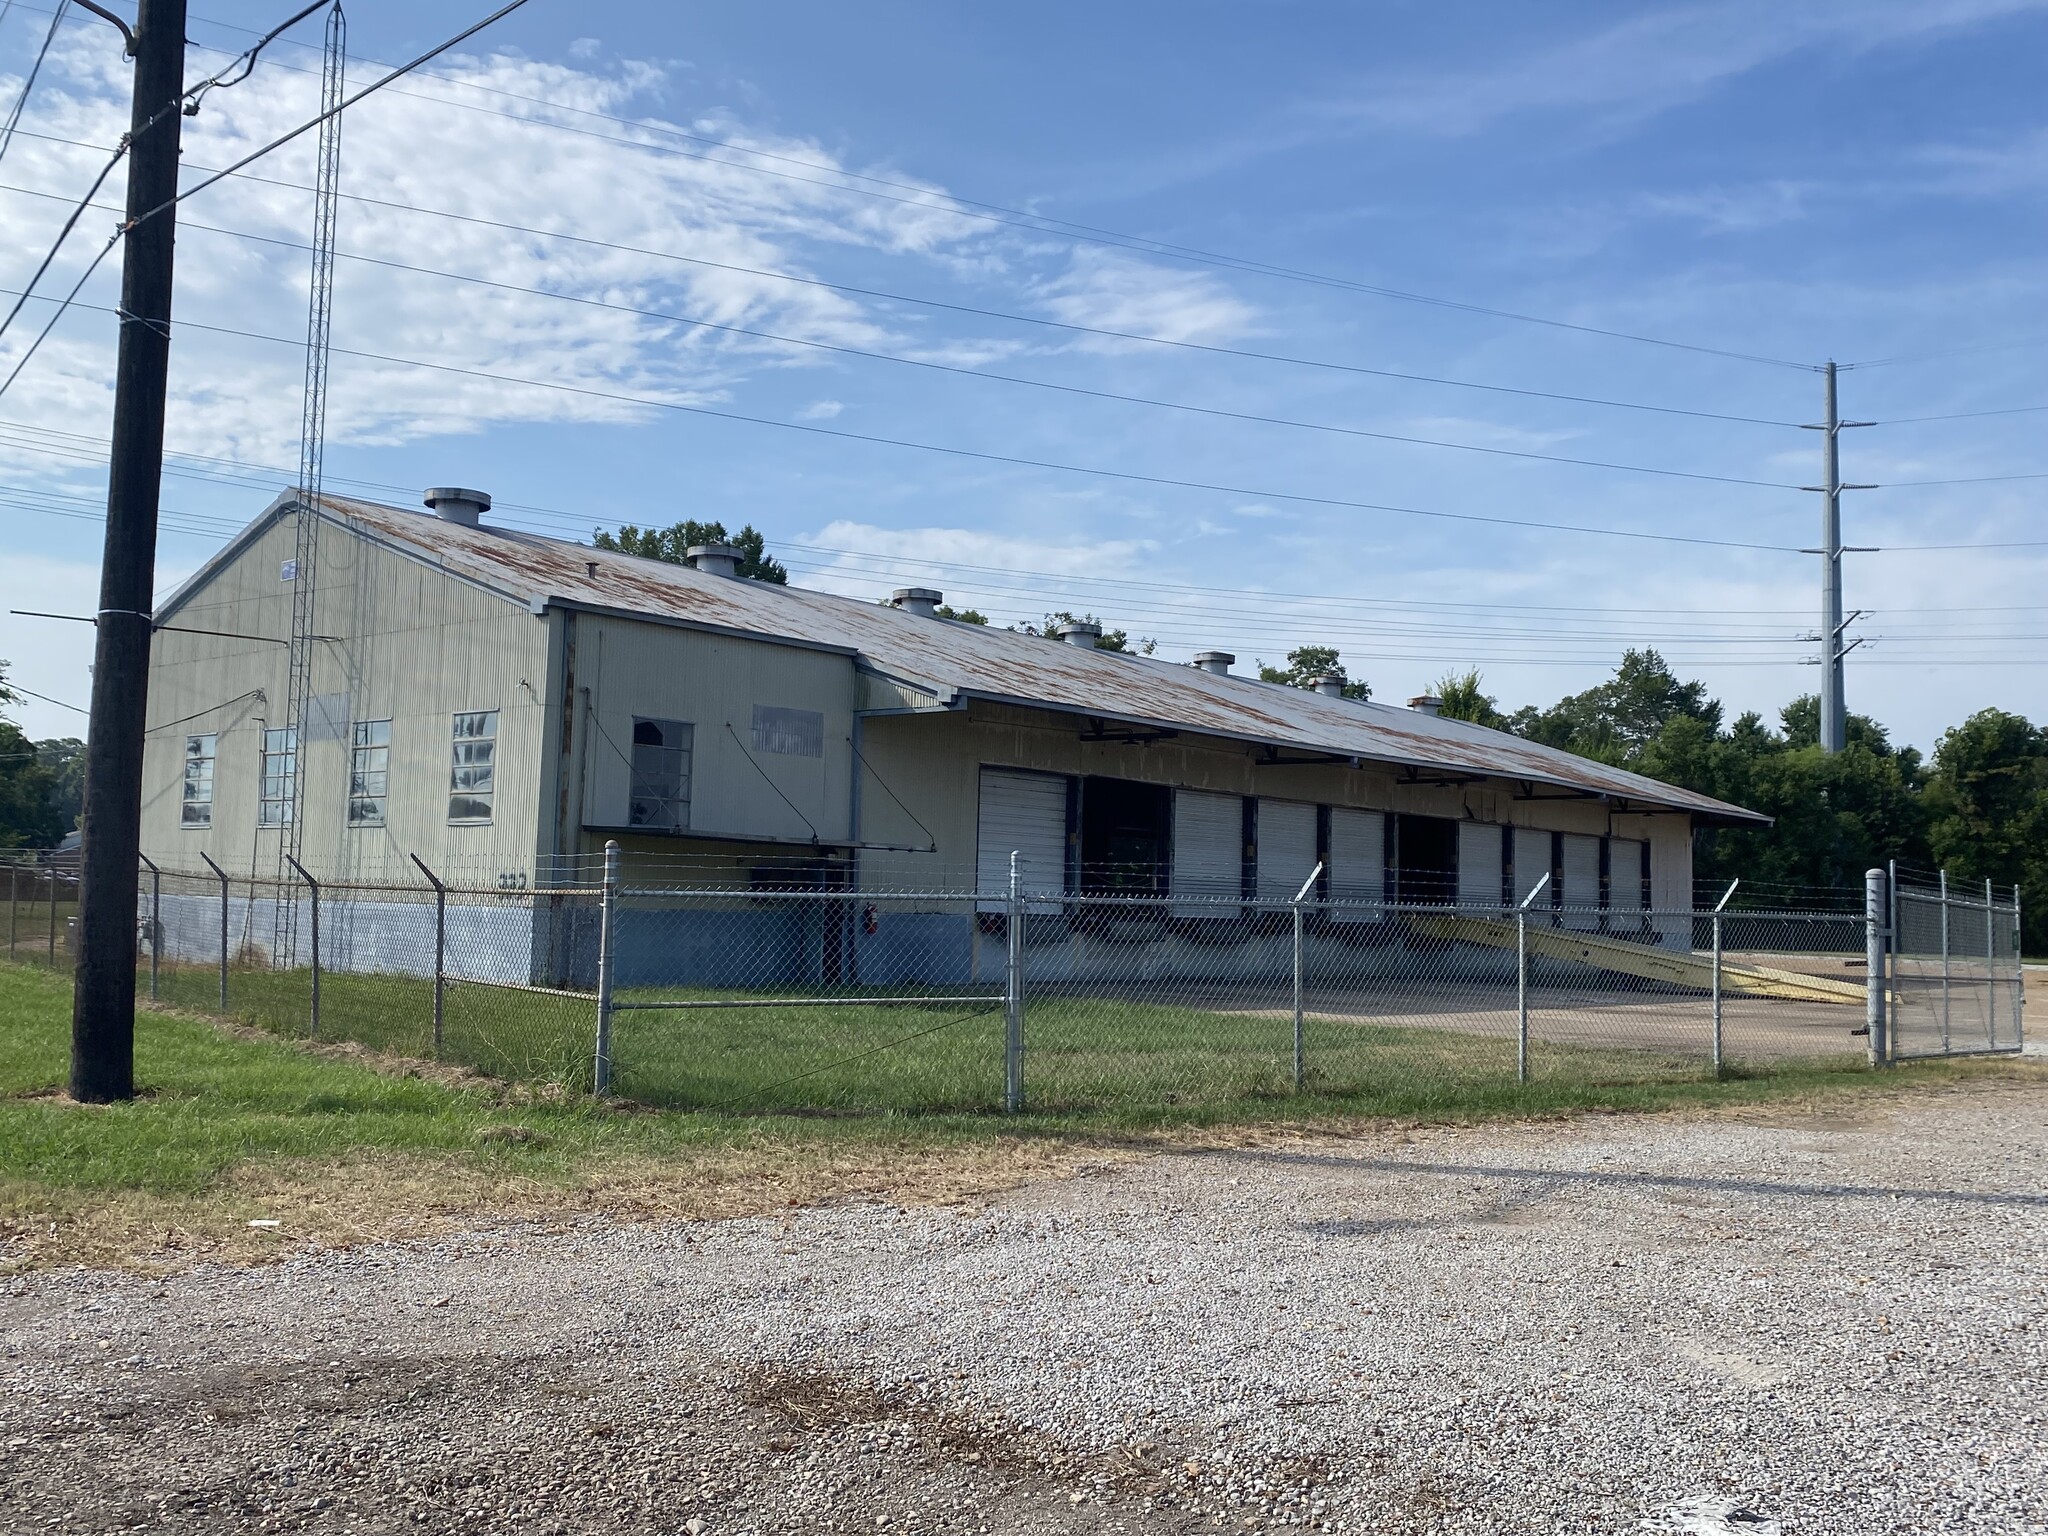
(103, 997)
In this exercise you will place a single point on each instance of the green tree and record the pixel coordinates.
(1306, 663)
(64, 756)
(672, 543)
(1464, 698)
(1615, 720)
(1987, 805)
(961, 615)
(28, 811)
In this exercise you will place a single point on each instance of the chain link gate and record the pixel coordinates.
(1957, 984)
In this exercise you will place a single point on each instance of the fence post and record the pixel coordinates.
(1990, 970)
(1522, 979)
(1013, 991)
(440, 948)
(223, 874)
(1944, 963)
(607, 947)
(1876, 905)
(51, 957)
(313, 886)
(13, 904)
(156, 917)
(2019, 974)
(1719, 907)
(1300, 1044)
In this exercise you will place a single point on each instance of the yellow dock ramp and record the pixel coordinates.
(1677, 967)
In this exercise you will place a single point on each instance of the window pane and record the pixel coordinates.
(468, 808)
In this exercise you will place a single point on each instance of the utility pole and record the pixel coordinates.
(103, 994)
(1834, 713)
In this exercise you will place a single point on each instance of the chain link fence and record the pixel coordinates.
(790, 997)
(498, 981)
(42, 904)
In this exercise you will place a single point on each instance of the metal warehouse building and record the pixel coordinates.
(501, 704)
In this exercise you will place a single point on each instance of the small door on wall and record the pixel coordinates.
(1287, 847)
(1208, 850)
(1358, 864)
(1024, 813)
(1479, 871)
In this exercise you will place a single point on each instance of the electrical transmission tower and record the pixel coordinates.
(1834, 644)
(312, 439)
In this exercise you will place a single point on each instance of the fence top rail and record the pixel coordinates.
(418, 889)
(1195, 902)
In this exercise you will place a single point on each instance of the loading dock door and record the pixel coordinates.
(1624, 881)
(1287, 848)
(1358, 865)
(1025, 812)
(1208, 851)
(1478, 864)
(1532, 863)
(1581, 880)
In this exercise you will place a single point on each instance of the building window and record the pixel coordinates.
(475, 771)
(197, 810)
(280, 770)
(661, 773)
(369, 772)
(792, 732)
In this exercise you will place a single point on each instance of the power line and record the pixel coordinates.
(1016, 460)
(977, 373)
(29, 84)
(2007, 410)
(997, 213)
(1965, 480)
(246, 472)
(981, 312)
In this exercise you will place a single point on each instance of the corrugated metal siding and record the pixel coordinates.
(996, 664)
(1287, 848)
(1479, 871)
(1025, 813)
(1208, 844)
(1358, 861)
(637, 669)
(415, 646)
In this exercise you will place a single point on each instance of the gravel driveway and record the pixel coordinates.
(1835, 1322)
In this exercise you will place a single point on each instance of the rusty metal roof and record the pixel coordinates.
(983, 662)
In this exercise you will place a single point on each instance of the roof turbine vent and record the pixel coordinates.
(1217, 662)
(1330, 685)
(922, 601)
(453, 504)
(1426, 704)
(715, 559)
(1082, 632)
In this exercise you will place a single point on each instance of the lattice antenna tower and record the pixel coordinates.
(312, 440)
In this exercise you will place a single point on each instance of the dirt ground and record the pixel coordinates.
(1834, 1320)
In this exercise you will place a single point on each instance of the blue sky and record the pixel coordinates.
(1863, 181)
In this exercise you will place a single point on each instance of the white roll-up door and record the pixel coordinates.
(1358, 864)
(1581, 880)
(1208, 849)
(1624, 875)
(1025, 813)
(1478, 864)
(1287, 848)
(1532, 863)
